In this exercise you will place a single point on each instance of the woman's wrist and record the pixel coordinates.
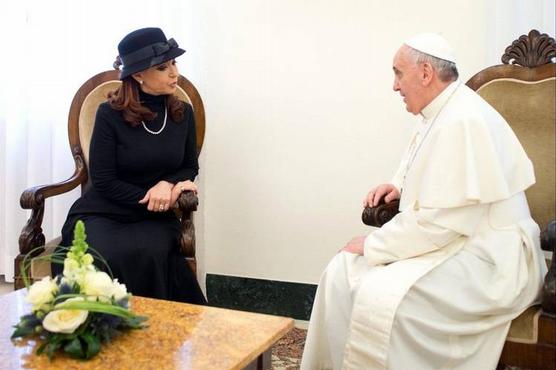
(186, 185)
(166, 183)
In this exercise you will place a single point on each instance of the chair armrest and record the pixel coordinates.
(32, 237)
(33, 198)
(548, 243)
(381, 214)
(187, 204)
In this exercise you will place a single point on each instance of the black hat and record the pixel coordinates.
(144, 48)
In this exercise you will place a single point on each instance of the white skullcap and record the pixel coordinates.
(432, 44)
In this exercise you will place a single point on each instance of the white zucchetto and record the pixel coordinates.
(432, 44)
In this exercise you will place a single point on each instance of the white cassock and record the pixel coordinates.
(439, 284)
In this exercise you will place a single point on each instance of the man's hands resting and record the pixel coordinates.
(388, 191)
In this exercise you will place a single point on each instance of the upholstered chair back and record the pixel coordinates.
(89, 111)
(529, 107)
(523, 91)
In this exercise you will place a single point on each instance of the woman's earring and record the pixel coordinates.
(141, 82)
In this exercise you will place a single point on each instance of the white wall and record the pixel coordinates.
(302, 120)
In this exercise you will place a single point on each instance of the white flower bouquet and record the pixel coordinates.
(77, 311)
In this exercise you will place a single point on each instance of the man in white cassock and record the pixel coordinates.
(438, 285)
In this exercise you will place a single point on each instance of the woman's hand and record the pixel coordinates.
(159, 197)
(180, 187)
(388, 191)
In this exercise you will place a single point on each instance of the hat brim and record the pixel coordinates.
(147, 63)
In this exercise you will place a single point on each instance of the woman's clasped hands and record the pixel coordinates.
(164, 195)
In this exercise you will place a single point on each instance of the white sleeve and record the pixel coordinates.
(417, 231)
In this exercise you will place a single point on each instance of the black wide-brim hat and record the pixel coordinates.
(144, 48)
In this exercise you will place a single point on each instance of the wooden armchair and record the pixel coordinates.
(522, 89)
(80, 128)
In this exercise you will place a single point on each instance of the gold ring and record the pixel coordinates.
(161, 207)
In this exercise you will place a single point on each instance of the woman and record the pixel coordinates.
(142, 156)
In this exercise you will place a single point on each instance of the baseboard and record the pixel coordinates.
(263, 296)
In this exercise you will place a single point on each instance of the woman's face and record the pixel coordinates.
(161, 79)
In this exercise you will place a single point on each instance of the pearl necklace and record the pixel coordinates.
(163, 124)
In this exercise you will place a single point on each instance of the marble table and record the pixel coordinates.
(179, 336)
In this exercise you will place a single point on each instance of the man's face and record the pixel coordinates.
(408, 80)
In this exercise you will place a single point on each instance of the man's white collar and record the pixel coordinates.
(432, 109)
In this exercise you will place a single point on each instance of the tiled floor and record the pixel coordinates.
(5, 287)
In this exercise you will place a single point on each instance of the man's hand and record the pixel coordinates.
(388, 191)
(158, 197)
(355, 245)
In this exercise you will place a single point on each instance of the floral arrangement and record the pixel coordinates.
(77, 311)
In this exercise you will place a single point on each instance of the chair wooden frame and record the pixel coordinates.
(32, 237)
(528, 58)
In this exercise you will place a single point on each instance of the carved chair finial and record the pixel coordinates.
(531, 50)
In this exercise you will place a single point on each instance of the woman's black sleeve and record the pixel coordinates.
(103, 163)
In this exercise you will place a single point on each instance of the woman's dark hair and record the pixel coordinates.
(126, 99)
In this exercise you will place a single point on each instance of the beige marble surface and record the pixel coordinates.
(179, 336)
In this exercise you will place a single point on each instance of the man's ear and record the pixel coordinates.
(427, 74)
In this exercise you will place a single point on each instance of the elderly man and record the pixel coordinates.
(438, 285)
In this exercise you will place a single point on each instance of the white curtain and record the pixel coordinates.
(49, 48)
(508, 19)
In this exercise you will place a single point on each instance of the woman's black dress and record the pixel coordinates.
(141, 247)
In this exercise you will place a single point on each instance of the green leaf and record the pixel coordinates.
(22, 331)
(74, 348)
(41, 348)
(92, 344)
(101, 307)
(52, 346)
(136, 322)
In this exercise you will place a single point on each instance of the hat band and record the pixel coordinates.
(147, 52)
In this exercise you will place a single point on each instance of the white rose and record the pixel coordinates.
(118, 290)
(97, 283)
(41, 292)
(65, 321)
